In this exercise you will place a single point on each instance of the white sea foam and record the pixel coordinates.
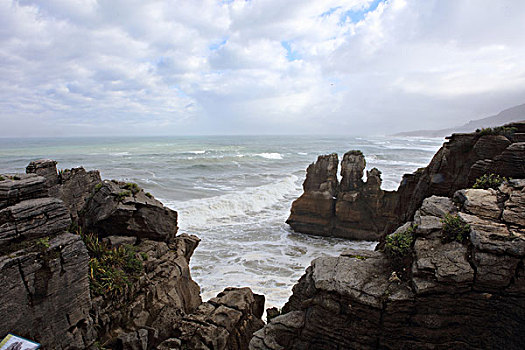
(197, 152)
(270, 155)
(200, 212)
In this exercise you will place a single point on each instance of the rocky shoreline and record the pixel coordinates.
(87, 263)
(49, 271)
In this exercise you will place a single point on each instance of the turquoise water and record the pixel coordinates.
(234, 192)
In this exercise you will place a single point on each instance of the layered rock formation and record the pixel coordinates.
(358, 210)
(351, 209)
(460, 293)
(47, 294)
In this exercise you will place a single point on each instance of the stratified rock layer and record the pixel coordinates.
(361, 210)
(455, 296)
(224, 322)
(45, 271)
(352, 209)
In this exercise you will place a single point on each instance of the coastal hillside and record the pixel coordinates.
(514, 114)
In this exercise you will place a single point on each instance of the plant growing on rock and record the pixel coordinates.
(2, 178)
(398, 248)
(454, 229)
(122, 195)
(111, 270)
(399, 245)
(42, 243)
(489, 181)
(133, 187)
(499, 130)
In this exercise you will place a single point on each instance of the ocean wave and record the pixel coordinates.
(270, 155)
(199, 212)
(197, 152)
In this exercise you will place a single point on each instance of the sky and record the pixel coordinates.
(164, 67)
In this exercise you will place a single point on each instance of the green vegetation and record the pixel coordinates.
(144, 256)
(358, 257)
(133, 187)
(399, 245)
(15, 177)
(42, 243)
(122, 195)
(489, 181)
(149, 195)
(454, 229)
(98, 187)
(2, 178)
(499, 130)
(111, 270)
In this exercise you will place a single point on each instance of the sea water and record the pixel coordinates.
(233, 192)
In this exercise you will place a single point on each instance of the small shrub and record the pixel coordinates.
(454, 229)
(489, 181)
(2, 178)
(499, 130)
(15, 177)
(144, 256)
(42, 243)
(399, 245)
(133, 187)
(111, 270)
(149, 195)
(122, 195)
(98, 187)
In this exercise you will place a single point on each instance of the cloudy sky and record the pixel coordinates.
(130, 67)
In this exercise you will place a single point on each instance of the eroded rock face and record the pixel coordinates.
(73, 186)
(352, 209)
(44, 293)
(115, 210)
(458, 164)
(313, 212)
(224, 322)
(453, 296)
(44, 270)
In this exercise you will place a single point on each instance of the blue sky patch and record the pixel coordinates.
(356, 16)
(291, 54)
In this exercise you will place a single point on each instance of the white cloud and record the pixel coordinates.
(91, 67)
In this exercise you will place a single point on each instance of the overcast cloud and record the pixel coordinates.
(129, 67)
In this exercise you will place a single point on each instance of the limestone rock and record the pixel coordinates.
(44, 294)
(313, 212)
(114, 210)
(352, 167)
(18, 187)
(227, 321)
(45, 168)
(73, 186)
(31, 219)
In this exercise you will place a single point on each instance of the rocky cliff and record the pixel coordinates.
(120, 279)
(358, 210)
(453, 278)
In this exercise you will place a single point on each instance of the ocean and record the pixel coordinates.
(233, 192)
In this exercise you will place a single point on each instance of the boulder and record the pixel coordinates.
(116, 210)
(227, 321)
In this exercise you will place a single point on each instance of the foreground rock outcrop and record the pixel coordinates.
(361, 210)
(453, 292)
(123, 283)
